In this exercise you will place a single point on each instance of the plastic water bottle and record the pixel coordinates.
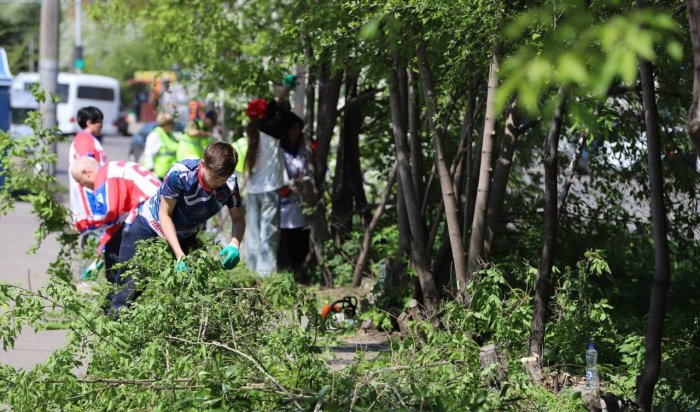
(591, 368)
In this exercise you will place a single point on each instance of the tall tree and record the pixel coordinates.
(419, 253)
(551, 226)
(446, 183)
(500, 177)
(662, 266)
(348, 191)
(476, 243)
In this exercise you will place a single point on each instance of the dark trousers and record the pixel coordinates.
(291, 255)
(139, 230)
(111, 254)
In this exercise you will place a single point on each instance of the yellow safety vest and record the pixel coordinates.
(192, 147)
(189, 148)
(241, 147)
(166, 154)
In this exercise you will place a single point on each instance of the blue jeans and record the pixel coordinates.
(262, 221)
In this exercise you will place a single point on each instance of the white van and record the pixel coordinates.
(75, 92)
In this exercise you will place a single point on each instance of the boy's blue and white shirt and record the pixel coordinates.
(194, 204)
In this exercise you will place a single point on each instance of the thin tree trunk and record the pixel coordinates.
(660, 281)
(364, 251)
(442, 261)
(476, 243)
(460, 162)
(472, 165)
(414, 134)
(347, 182)
(419, 254)
(328, 95)
(499, 183)
(694, 110)
(309, 192)
(570, 173)
(551, 226)
(399, 266)
(446, 185)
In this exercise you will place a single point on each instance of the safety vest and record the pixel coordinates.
(189, 148)
(166, 154)
(241, 147)
(203, 142)
(192, 147)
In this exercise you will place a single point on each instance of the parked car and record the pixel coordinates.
(138, 140)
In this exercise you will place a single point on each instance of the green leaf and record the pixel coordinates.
(572, 69)
(674, 49)
(370, 31)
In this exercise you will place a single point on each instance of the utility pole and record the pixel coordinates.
(79, 62)
(48, 66)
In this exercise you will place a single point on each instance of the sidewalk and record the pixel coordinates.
(29, 271)
(19, 268)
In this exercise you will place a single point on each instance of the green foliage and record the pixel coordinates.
(341, 261)
(19, 28)
(569, 43)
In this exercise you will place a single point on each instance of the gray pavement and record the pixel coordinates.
(29, 271)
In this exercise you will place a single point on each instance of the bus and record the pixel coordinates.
(75, 91)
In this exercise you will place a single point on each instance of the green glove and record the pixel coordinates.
(289, 81)
(92, 270)
(181, 266)
(231, 256)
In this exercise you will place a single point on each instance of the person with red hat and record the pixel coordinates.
(264, 167)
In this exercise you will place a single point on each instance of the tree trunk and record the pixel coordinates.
(419, 253)
(446, 184)
(476, 243)
(328, 95)
(442, 261)
(364, 252)
(551, 226)
(309, 191)
(694, 110)
(347, 182)
(570, 172)
(499, 184)
(660, 281)
(414, 134)
(399, 267)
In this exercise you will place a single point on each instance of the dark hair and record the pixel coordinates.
(211, 114)
(220, 159)
(91, 113)
(291, 119)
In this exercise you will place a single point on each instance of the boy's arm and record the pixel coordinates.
(166, 223)
(238, 226)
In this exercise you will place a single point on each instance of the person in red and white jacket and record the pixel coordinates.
(85, 144)
(112, 194)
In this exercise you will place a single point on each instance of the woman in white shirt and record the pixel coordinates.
(264, 165)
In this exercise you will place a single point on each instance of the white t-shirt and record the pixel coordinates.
(267, 174)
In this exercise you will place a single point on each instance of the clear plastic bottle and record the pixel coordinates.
(592, 368)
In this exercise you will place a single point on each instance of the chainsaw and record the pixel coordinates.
(346, 306)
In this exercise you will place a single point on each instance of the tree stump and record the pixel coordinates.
(532, 366)
(492, 361)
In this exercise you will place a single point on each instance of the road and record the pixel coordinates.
(29, 271)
